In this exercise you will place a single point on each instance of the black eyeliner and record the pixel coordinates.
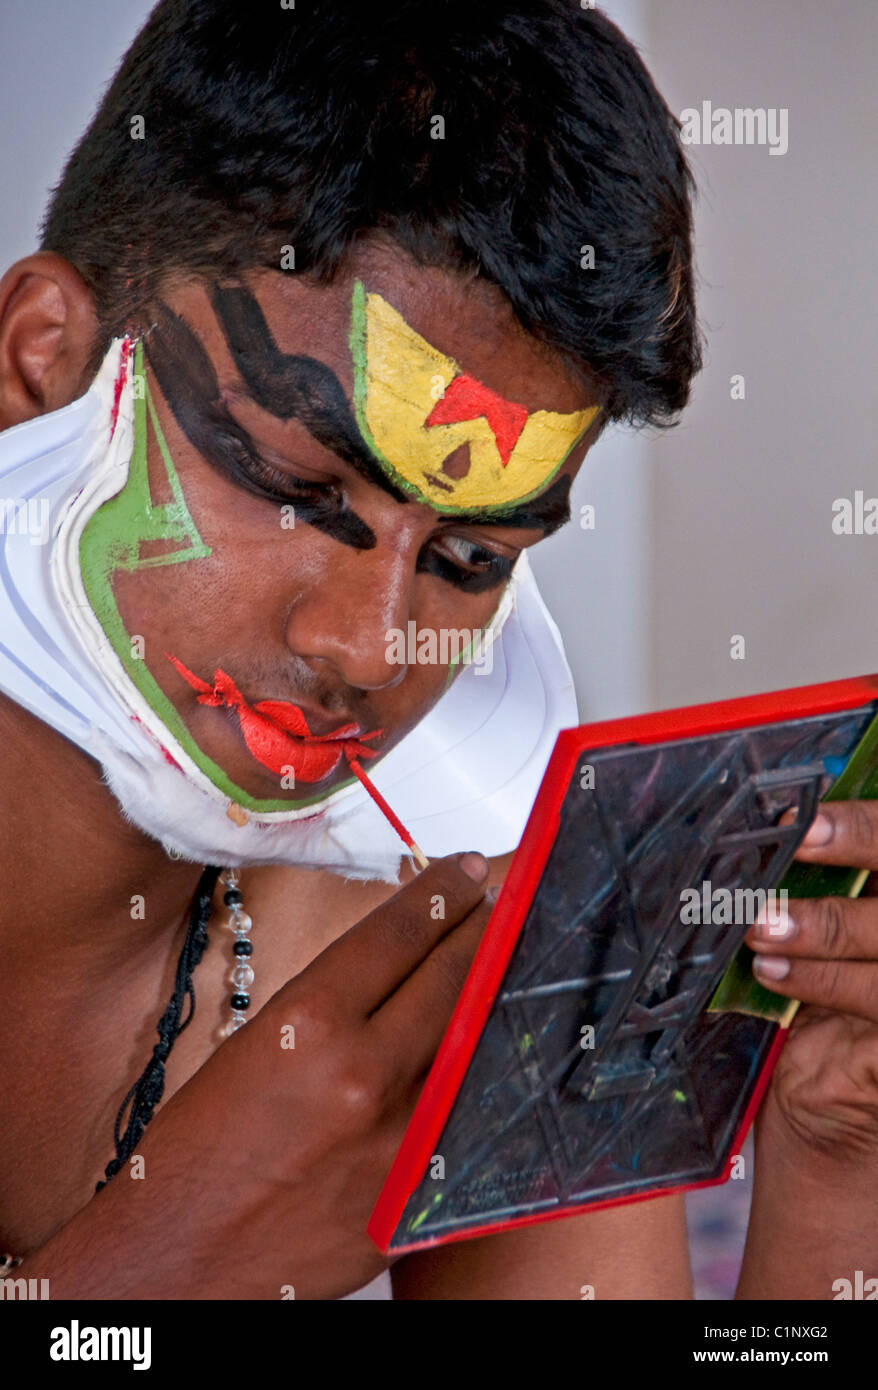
(498, 568)
(470, 581)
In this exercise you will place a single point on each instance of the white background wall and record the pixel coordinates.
(721, 526)
(596, 582)
(740, 504)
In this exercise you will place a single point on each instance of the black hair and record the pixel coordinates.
(312, 126)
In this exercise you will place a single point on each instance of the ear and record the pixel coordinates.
(48, 327)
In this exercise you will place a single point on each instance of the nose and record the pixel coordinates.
(344, 615)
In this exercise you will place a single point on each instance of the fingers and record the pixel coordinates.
(823, 951)
(847, 987)
(413, 1020)
(822, 928)
(843, 833)
(363, 967)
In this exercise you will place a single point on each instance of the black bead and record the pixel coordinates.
(240, 1001)
(232, 896)
(243, 948)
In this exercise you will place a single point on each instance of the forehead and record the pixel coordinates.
(461, 316)
(452, 402)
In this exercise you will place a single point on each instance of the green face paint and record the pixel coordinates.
(459, 661)
(124, 535)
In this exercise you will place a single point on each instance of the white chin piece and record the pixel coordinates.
(464, 778)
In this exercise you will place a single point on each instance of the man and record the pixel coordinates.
(351, 296)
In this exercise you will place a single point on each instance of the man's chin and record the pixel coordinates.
(284, 789)
(205, 827)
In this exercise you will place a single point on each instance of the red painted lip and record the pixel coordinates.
(276, 732)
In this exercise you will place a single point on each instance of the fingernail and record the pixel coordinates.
(773, 925)
(771, 967)
(819, 834)
(474, 865)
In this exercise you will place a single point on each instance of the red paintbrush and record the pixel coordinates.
(382, 805)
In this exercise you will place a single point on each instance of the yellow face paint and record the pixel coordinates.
(440, 434)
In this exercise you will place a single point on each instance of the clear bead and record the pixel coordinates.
(239, 922)
(242, 977)
(235, 1022)
(230, 878)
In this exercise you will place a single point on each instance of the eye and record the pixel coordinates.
(474, 556)
(291, 485)
(277, 483)
(474, 568)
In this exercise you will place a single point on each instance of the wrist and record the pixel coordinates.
(812, 1156)
(814, 1214)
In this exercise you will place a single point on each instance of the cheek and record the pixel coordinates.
(253, 563)
(206, 564)
(235, 599)
(442, 607)
(448, 623)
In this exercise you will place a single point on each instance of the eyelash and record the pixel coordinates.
(281, 484)
(275, 482)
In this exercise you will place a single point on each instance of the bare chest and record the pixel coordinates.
(67, 1069)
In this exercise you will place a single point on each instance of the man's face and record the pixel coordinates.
(329, 465)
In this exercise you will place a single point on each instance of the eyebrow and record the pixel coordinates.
(547, 513)
(294, 386)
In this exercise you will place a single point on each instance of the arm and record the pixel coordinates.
(244, 1202)
(813, 1220)
(631, 1252)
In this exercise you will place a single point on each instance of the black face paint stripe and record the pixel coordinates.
(188, 381)
(307, 389)
(547, 512)
(472, 582)
(294, 387)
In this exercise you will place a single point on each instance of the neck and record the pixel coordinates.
(72, 866)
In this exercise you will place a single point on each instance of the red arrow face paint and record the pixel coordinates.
(467, 399)
(440, 434)
(276, 732)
